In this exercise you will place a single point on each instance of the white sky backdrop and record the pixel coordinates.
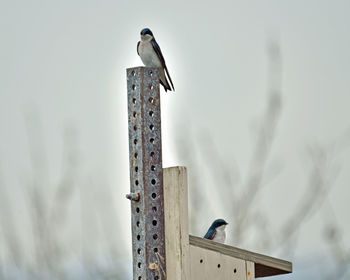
(65, 61)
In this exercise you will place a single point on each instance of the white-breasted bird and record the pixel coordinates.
(216, 232)
(151, 56)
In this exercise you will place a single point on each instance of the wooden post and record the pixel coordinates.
(194, 258)
(176, 223)
(250, 270)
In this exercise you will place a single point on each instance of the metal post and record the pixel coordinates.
(146, 174)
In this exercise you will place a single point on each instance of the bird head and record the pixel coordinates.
(219, 223)
(146, 34)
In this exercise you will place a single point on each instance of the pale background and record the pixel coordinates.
(64, 142)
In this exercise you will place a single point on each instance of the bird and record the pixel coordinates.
(216, 232)
(151, 56)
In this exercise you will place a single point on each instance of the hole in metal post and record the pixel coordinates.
(138, 223)
(134, 114)
(135, 141)
(135, 127)
(154, 222)
(155, 250)
(136, 169)
(154, 195)
(139, 251)
(151, 154)
(201, 261)
(134, 100)
(235, 270)
(151, 73)
(136, 182)
(153, 181)
(133, 73)
(151, 113)
(138, 237)
(154, 208)
(219, 265)
(151, 140)
(153, 168)
(139, 265)
(135, 155)
(151, 100)
(137, 210)
(133, 87)
(155, 236)
(140, 278)
(151, 127)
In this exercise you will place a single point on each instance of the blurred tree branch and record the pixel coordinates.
(240, 197)
(50, 218)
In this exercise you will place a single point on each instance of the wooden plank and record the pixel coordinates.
(209, 265)
(264, 265)
(250, 270)
(176, 223)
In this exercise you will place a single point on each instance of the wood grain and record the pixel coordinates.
(264, 265)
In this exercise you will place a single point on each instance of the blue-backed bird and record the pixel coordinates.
(216, 232)
(151, 56)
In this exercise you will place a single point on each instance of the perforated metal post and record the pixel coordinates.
(146, 174)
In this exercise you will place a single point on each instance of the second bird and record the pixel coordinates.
(216, 232)
(151, 56)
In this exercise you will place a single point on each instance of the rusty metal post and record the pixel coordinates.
(146, 174)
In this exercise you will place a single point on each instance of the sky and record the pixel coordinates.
(63, 71)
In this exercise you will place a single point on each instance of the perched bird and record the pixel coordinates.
(151, 56)
(216, 232)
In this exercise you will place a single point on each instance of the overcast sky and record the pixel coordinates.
(63, 65)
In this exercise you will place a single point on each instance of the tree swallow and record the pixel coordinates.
(151, 56)
(216, 232)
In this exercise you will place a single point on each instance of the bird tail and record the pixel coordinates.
(171, 82)
(163, 80)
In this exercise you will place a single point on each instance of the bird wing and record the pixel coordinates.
(161, 58)
(137, 49)
(210, 234)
